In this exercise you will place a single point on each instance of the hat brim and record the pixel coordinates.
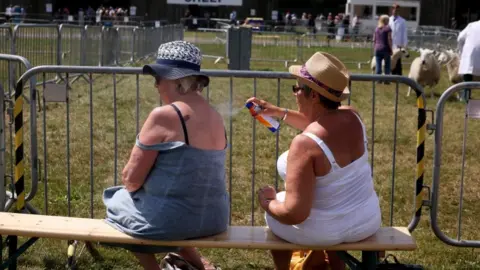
(172, 73)
(295, 71)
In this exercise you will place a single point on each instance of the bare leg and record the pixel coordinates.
(148, 261)
(192, 256)
(335, 261)
(281, 259)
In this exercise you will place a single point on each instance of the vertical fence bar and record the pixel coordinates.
(115, 127)
(254, 133)
(90, 79)
(68, 149)
(230, 175)
(45, 154)
(462, 175)
(137, 104)
(373, 124)
(394, 154)
(277, 138)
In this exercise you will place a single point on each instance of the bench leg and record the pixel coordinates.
(369, 260)
(12, 248)
(14, 253)
(349, 260)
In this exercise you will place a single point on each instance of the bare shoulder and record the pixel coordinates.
(158, 124)
(349, 108)
(302, 144)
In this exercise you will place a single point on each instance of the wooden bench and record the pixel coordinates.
(240, 237)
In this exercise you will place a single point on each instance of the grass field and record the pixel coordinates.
(432, 253)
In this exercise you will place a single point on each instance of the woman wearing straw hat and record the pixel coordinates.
(174, 183)
(329, 195)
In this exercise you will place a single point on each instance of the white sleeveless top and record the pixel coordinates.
(345, 207)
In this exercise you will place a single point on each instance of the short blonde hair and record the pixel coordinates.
(190, 84)
(383, 20)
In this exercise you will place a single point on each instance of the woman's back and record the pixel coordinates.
(186, 184)
(381, 39)
(343, 183)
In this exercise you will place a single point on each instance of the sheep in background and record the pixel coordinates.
(397, 53)
(451, 60)
(425, 70)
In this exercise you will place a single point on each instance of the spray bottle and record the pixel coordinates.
(267, 121)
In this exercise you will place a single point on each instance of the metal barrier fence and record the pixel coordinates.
(12, 107)
(290, 47)
(467, 213)
(51, 44)
(60, 147)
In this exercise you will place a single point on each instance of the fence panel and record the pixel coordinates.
(38, 43)
(84, 138)
(210, 41)
(93, 46)
(6, 41)
(455, 221)
(110, 46)
(126, 44)
(12, 149)
(72, 44)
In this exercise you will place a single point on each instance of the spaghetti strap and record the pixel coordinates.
(185, 133)
(365, 138)
(324, 148)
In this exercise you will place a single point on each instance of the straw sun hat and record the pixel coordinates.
(325, 74)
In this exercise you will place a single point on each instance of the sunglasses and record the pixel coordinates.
(306, 89)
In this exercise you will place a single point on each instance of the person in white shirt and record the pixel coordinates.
(469, 45)
(399, 36)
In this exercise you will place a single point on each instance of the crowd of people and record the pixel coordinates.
(89, 14)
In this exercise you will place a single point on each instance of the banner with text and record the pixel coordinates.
(206, 2)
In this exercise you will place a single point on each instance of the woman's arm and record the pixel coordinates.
(300, 184)
(290, 117)
(141, 158)
(293, 118)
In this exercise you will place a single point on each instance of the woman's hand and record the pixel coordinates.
(266, 195)
(268, 108)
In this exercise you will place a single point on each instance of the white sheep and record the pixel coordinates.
(397, 53)
(451, 60)
(425, 70)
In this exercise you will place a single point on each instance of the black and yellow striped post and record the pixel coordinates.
(421, 133)
(19, 181)
(19, 158)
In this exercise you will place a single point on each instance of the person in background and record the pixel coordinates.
(469, 45)
(311, 24)
(382, 40)
(399, 36)
(233, 17)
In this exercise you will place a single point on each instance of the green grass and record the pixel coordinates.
(431, 252)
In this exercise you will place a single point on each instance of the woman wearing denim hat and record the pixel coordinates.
(174, 182)
(329, 195)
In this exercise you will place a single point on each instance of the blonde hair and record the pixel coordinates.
(190, 84)
(383, 20)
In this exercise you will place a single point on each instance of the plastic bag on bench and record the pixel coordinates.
(396, 265)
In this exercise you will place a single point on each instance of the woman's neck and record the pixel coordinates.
(317, 112)
(181, 98)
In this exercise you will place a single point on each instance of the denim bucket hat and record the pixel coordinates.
(176, 60)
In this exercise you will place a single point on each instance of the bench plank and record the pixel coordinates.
(242, 237)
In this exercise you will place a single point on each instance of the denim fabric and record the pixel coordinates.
(183, 197)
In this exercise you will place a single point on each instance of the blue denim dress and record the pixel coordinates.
(183, 197)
